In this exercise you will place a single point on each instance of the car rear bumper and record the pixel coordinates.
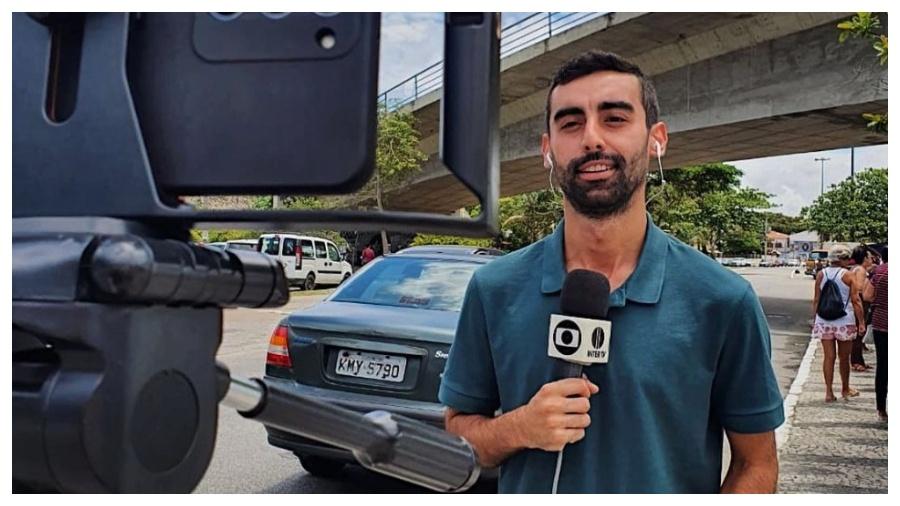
(429, 412)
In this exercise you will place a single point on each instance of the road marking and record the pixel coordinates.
(793, 396)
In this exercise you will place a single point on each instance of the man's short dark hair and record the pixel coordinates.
(599, 61)
(859, 254)
(884, 254)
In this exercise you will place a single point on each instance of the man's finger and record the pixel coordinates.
(577, 435)
(576, 421)
(594, 388)
(577, 405)
(569, 386)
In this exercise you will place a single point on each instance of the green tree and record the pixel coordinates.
(865, 25)
(854, 210)
(397, 156)
(528, 217)
(428, 239)
(218, 235)
(786, 224)
(523, 219)
(704, 205)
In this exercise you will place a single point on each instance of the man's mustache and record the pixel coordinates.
(616, 161)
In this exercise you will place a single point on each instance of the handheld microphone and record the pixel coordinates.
(579, 336)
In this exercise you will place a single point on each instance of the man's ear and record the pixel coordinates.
(659, 136)
(545, 149)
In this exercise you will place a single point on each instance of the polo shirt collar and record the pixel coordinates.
(645, 283)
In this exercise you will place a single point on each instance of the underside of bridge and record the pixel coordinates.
(731, 86)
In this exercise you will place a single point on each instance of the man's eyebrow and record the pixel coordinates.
(617, 104)
(568, 111)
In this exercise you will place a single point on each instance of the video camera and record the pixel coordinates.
(116, 116)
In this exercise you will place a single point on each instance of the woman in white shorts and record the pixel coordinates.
(841, 332)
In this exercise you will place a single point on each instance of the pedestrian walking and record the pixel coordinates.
(863, 263)
(877, 293)
(835, 326)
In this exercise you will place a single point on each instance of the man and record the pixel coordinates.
(689, 350)
(368, 254)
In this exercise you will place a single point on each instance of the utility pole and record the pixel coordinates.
(822, 186)
(852, 163)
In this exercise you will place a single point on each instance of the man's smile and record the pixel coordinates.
(596, 170)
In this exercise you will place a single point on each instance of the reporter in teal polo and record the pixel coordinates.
(690, 347)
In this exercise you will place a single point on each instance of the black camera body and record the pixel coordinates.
(116, 316)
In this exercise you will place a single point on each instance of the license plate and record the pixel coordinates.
(360, 364)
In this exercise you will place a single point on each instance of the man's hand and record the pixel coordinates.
(861, 329)
(557, 414)
(549, 421)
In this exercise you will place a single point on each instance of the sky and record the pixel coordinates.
(413, 41)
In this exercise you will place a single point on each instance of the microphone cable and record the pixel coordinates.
(559, 460)
(575, 372)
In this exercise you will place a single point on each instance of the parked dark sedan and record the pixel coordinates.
(380, 341)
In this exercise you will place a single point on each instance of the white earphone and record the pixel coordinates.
(549, 161)
(662, 178)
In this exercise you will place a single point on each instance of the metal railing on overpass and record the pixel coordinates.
(526, 32)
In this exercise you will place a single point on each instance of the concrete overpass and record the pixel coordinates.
(731, 86)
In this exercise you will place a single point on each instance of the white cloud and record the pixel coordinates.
(795, 180)
(410, 42)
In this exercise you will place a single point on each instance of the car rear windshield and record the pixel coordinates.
(270, 245)
(411, 282)
(241, 245)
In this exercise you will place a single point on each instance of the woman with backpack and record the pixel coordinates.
(836, 325)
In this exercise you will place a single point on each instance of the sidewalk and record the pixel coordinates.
(838, 447)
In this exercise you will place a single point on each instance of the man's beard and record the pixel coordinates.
(604, 198)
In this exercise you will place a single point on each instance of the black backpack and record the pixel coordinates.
(831, 305)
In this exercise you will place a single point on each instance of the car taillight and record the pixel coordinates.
(298, 257)
(278, 348)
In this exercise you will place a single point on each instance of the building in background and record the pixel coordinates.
(777, 244)
(802, 243)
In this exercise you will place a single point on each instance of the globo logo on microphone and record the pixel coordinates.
(567, 337)
(581, 340)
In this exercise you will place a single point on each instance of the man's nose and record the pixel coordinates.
(593, 139)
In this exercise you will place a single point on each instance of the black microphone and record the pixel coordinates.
(579, 336)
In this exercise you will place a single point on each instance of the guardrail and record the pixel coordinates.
(524, 33)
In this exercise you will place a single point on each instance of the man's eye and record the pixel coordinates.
(569, 124)
(615, 119)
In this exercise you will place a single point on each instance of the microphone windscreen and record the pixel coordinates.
(585, 294)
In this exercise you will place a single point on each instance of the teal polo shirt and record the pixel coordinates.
(689, 356)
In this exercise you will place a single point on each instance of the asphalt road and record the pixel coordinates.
(243, 462)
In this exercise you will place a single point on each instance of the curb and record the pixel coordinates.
(790, 400)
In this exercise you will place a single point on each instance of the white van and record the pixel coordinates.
(307, 261)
